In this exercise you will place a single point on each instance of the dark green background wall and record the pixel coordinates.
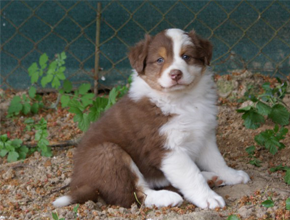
(245, 34)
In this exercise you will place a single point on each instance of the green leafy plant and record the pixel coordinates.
(268, 105)
(41, 138)
(251, 152)
(270, 139)
(55, 216)
(40, 73)
(268, 203)
(284, 168)
(12, 148)
(25, 104)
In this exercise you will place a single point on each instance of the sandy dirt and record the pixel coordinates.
(28, 187)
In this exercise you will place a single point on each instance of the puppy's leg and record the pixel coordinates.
(184, 175)
(158, 198)
(211, 160)
(105, 170)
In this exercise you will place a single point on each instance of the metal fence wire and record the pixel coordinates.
(96, 35)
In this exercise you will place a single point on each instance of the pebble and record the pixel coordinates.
(245, 212)
(9, 174)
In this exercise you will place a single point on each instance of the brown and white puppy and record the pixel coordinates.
(162, 133)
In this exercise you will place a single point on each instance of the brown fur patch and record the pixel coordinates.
(128, 131)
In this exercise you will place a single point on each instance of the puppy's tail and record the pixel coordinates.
(63, 201)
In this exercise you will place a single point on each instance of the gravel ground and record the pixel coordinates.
(28, 187)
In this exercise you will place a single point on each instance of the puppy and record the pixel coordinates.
(162, 133)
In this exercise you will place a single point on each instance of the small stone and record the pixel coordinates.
(37, 155)
(9, 174)
(244, 212)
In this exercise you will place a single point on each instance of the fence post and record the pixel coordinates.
(97, 49)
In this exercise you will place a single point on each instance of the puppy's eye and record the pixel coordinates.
(185, 57)
(160, 60)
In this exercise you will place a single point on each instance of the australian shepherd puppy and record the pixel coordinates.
(161, 134)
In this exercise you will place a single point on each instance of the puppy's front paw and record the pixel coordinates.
(233, 177)
(212, 179)
(209, 200)
(162, 198)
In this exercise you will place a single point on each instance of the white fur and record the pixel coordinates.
(159, 198)
(189, 72)
(191, 139)
(62, 201)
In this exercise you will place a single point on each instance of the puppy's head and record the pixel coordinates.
(172, 60)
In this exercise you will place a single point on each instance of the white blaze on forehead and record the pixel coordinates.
(179, 39)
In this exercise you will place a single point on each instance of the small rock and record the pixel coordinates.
(26, 137)
(9, 174)
(37, 155)
(90, 205)
(134, 209)
(245, 212)
(48, 117)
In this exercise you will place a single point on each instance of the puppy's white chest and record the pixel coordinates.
(189, 127)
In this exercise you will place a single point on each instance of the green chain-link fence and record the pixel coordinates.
(253, 35)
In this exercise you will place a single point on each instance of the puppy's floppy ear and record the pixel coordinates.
(138, 54)
(203, 47)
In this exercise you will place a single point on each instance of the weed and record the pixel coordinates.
(268, 203)
(12, 148)
(268, 105)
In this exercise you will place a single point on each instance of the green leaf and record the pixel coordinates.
(87, 99)
(46, 79)
(83, 122)
(255, 162)
(98, 106)
(43, 60)
(233, 217)
(23, 152)
(52, 67)
(16, 143)
(54, 216)
(63, 56)
(252, 119)
(251, 150)
(64, 99)
(67, 86)
(61, 76)
(33, 72)
(75, 107)
(281, 134)
(279, 167)
(3, 152)
(15, 105)
(75, 209)
(245, 109)
(55, 83)
(268, 203)
(287, 177)
(279, 114)
(84, 88)
(26, 108)
(32, 92)
(12, 156)
(288, 203)
(35, 108)
(268, 140)
(4, 138)
(263, 108)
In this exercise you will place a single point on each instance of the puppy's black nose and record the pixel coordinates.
(175, 75)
